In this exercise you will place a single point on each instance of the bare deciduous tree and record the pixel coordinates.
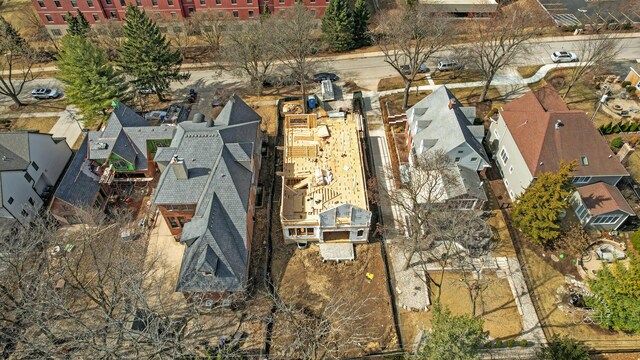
(411, 38)
(211, 29)
(295, 44)
(438, 230)
(339, 326)
(499, 41)
(108, 35)
(248, 52)
(594, 55)
(16, 62)
(105, 297)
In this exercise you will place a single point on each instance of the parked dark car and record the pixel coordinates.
(320, 77)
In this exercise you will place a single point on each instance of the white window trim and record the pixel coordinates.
(511, 169)
(605, 219)
(495, 133)
(581, 179)
(506, 182)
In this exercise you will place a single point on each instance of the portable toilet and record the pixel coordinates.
(311, 102)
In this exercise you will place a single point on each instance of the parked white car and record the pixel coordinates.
(44, 93)
(564, 56)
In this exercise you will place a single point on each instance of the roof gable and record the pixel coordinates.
(235, 112)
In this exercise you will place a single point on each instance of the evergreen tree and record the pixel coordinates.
(91, 82)
(361, 17)
(77, 25)
(338, 26)
(563, 348)
(536, 212)
(452, 337)
(616, 297)
(146, 56)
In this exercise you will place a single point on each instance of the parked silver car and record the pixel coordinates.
(45, 93)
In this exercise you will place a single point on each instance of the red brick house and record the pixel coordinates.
(52, 12)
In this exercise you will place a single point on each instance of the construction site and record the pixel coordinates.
(324, 195)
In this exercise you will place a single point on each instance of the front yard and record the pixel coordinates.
(41, 124)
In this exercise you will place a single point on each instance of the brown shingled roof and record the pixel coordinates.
(601, 198)
(532, 120)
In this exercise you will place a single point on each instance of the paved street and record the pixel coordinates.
(366, 69)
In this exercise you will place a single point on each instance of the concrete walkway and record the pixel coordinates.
(69, 126)
(531, 328)
(30, 115)
(509, 78)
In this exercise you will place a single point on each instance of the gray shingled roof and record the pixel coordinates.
(14, 151)
(469, 183)
(219, 182)
(126, 134)
(442, 128)
(79, 185)
(236, 111)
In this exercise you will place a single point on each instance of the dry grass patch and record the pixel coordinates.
(39, 106)
(546, 281)
(502, 238)
(396, 82)
(394, 101)
(497, 307)
(41, 124)
(528, 71)
(462, 76)
(269, 116)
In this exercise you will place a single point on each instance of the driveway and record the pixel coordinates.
(68, 126)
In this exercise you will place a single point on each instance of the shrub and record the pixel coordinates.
(498, 343)
(625, 84)
(616, 129)
(488, 344)
(624, 127)
(607, 128)
(632, 128)
(631, 89)
(635, 240)
(598, 86)
(522, 343)
(511, 343)
(492, 112)
(627, 25)
(616, 143)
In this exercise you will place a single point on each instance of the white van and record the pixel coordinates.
(448, 65)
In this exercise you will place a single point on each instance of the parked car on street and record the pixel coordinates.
(564, 56)
(406, 69)
(448, 65)
(320, 77)
(45, 93)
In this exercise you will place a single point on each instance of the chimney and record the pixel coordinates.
(559, 124)
(210, 123)
(452, 104)
(624, 153)
(179, 168)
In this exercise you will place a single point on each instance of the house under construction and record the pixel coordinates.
(324, 195)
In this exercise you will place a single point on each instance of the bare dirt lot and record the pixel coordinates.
(303, 278)
(497, 308)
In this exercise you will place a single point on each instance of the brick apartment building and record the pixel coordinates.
(52, 12)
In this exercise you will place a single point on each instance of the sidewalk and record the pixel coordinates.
(507, 78)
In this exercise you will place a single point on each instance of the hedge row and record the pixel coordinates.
(508, 343)
(611, 128)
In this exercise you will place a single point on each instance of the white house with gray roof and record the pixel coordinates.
(206, 194)
(30, 166)
(438, 123)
